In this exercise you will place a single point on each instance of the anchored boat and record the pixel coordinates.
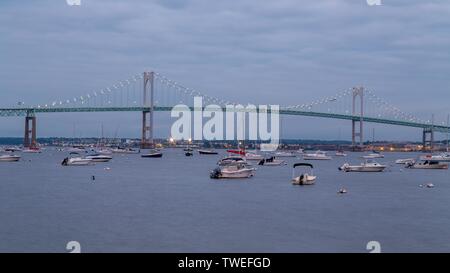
(153, 154)
(367, 166)
(9, 158)
(238, 170)
(319, 155)
(272, 161)
(304, 178)
(428, 164)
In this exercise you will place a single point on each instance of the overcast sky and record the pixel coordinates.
(283, 52)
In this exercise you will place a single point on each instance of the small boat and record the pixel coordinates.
(304, 178)
(272, 161)
(32, 150)
(189, 154)
(104, 152)
(405, 161)
(13, 149)
(207, 152)
(9, 158)
(441, 157)
(300, 151)
(373, 155)
(367, 166)
(120, 150)
(77, 149)
(341, 153)
(233, 171)
(76, 161)
(188, 150)
(99, 158)
(317, 156)
(428, 164)
(254, 156)
(153, 154)
(284, 154)
(233, 160)
(240, 152)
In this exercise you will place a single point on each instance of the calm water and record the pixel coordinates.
(171, 205)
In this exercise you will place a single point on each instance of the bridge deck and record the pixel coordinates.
(15, 112)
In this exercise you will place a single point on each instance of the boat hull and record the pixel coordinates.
(10, 159)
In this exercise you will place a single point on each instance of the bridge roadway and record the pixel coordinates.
(18, 112)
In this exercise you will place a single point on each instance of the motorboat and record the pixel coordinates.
(77, 149)
(9, 158)
(32, 150)
(233, 160)
(13, 149)
(284, 154)
(300, 151)
(367, 166)
(188, 150)
(317, 156)
(441, 157)
(304, 178)
(76, 161)
(240, 152)
(99, 158)
(272, 161)
(405, 161)
(373, 155)
(233, 171)
(152, 154)
(104, 152)
(207, 152)
(189, 154)
(340, 153)
(428, 164)
(120, 150)
(254, 156)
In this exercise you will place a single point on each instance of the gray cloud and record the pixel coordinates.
(281, 51)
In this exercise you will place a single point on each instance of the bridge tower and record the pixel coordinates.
(30, 130)
(147, 115)
(357, 133)
(428, 139)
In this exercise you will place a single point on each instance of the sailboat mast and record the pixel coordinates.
(448, 131)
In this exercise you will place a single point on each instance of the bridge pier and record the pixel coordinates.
(147, 115)
(358, 125)
(428, 139)
(30, 131)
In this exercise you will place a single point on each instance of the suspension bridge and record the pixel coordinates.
(152, 92)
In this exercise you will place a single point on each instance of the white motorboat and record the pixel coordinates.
(99, 158)
(207, 152)
(76, 150)
(428, 164)
(32, 150)
(341, 154)
(9, 158)
(254, 156)
(120, 150)
(319, 155)
(304, 178)
(441, 157)
(405, 161)
(152, 154)
(272, 161)
(367, 166)
(13, 149)
(373, 156)
(104, 152)
(233, 171)
(284, 154)
(76, 161)
(233, 160)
